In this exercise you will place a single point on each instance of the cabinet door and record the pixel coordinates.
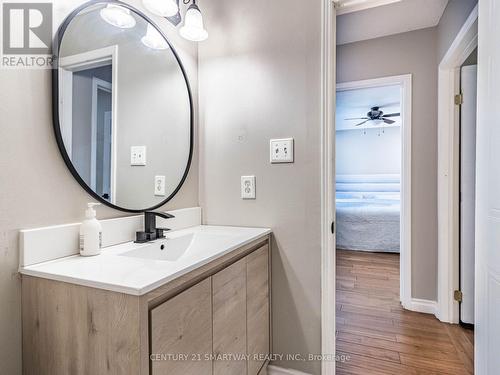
(182, 326)
(258, 309)
(229, 324)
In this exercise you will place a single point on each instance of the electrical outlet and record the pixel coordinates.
(160, 186)
(248, 187)
(138, 155)
(282, 150)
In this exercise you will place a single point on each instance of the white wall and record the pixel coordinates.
(260, 78)
(36, 188)
(370, 153)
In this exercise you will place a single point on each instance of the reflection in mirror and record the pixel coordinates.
(124, 107)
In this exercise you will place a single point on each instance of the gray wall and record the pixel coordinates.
(260, 79)
(36, 188)
(413, 52)
(451, 22)
(472, 59)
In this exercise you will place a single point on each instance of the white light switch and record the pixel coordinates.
(160, 186)
(248, 187)
(281, 150)
(138, 155)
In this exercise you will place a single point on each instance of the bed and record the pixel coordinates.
(368, 212)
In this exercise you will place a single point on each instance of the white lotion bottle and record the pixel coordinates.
(90, 233)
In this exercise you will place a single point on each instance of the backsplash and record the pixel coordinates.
(38, 245)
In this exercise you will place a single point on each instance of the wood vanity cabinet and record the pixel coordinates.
(183, 326)
(229, 299)
(213, 321)
(258, 309)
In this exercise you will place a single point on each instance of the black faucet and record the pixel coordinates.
(151, 232)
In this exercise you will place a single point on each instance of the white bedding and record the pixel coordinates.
(368, 218)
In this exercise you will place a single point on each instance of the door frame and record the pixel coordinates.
(461, 215)
(327, 139)
(405, 81)
(448, 167)
(99, 84)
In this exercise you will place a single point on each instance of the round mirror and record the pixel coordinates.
(122, 107)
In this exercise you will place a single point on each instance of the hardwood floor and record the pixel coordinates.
(379, 337)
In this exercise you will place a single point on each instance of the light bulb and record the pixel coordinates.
(193, 25)
(163, 8)
(118, 16)
(153, 39)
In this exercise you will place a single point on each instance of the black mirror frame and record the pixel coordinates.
(55, 105)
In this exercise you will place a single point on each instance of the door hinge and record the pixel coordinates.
(457, 295)
(459, 99)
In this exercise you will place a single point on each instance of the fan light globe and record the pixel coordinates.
(118, 16)
(193, 25)
(154, 40)
(163, 8)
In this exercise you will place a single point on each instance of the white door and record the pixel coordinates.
(467, 190)
(487, 314)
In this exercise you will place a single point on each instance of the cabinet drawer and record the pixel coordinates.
(229, 325)
(183, 326)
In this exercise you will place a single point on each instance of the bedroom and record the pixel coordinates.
(368, 180)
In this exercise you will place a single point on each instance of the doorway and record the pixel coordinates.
(467, 186)
(449, 164)
(373, 172)
(101, 133)
(89, 80)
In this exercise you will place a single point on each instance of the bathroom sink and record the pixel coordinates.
(169, 249)
(172, 249)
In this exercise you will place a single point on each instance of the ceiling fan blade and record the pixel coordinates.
(361, 123)
(392, 115)
(387, 121)
(357, 118)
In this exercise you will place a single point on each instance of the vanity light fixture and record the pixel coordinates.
(193, 28)
(163, 8)
(153, 39)
(118, 16)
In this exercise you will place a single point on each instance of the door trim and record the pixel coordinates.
(405, 81)
(327, 134)
(448, 167)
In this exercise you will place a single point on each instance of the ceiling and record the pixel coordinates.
(357, 103)
(368, 19)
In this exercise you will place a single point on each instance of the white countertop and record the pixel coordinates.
(137, 269)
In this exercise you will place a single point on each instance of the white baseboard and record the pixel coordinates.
(276, 370)
(422, 306)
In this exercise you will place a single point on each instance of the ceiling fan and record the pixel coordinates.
(376, 114)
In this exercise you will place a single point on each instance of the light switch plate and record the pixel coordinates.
(281, 150)
(248, 187)
(160, 186)
(138, 155)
